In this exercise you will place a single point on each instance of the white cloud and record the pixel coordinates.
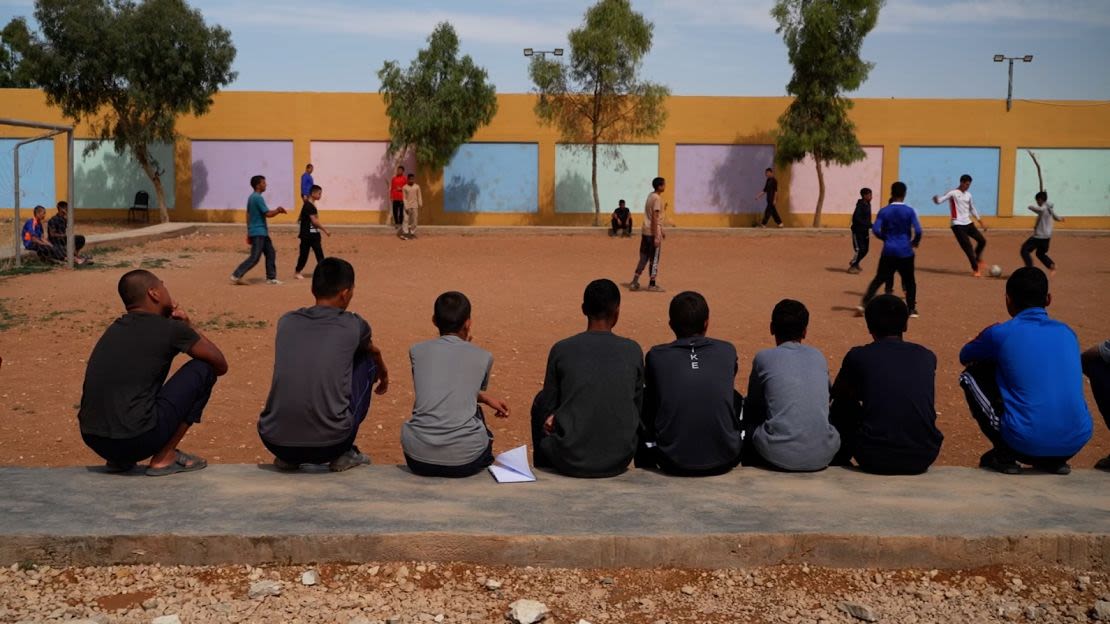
(333, 18)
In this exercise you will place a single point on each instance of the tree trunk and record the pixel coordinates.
(597, 200)
(820, 194)
(156, 180)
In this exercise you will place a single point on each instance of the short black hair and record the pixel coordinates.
(689, 312)
(657, 183)
(133, 285)
(601, 299)
(768, 170)
(412, 175)
(308, 165)
(620, 202)
(965, 178)
(315, 187)
(63, 204)
(38, 208)
(401, 167)
(898, 190)
(1028, 288)
(256, 180)
(1042, 196)
(789, 320)
(886, 316)
(451, 312)
(331, 276)
(864, 192)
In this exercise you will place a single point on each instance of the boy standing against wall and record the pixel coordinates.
(414, 201)
(397, 196)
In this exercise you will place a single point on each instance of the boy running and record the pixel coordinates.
(861, 230)
(651, 239)
(962, 210)
(897, 226)
(1042, 233)
(310, 231)
(258, 233)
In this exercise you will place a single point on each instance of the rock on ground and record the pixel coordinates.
(527, 611)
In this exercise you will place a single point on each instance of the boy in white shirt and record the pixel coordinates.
(962, 211)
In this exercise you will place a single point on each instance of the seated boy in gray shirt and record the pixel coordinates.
(447, 435)
(690, 420)
(786, 416)
(584, 421)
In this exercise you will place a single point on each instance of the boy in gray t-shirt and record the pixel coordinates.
(786, 416)
(447, 435)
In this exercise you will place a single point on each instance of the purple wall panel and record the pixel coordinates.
(720, 179)
(222, 171)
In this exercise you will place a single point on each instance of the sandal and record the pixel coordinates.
(184, 462)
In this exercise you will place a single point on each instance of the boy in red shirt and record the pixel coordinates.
(397, 195)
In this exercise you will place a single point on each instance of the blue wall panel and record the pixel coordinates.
(929, 171)
(36, 174)
(492, 177)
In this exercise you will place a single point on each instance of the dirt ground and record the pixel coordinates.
(526, 291)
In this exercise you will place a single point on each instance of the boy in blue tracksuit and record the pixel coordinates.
(897, 226)
(1024, 383)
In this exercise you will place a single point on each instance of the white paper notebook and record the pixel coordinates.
(512, 466)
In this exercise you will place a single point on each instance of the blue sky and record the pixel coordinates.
(921, 48)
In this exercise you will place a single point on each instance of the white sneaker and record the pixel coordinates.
(236, 280)
(298, 276)
(274, 282)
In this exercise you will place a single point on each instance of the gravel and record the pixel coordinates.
(420, 592)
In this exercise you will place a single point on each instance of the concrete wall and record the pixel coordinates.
(222, 170)
(1077, 181)
(107, 180)
(36, 175)
(720, 179)
(492, 177)
(842, 184)
(299, 120)
(623, 172)
(929, 171)
(354, 174)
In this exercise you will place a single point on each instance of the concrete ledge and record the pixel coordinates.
(123, 237)
(951, 517)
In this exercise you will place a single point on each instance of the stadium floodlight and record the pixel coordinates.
(527, 51)
(998, 58)
(1028, 58)
(542, 53)
(559, 52)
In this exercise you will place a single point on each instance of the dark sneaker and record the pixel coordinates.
(855, 270)
(1103, 464)
(1058, 468)
(991, 461)
(635, 285)
(348, 460)
(913, 313)
(285, 466)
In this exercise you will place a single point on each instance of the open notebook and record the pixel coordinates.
(512, 466)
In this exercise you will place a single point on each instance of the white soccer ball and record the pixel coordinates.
(995, 271)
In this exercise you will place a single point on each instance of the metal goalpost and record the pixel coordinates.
(52, 130)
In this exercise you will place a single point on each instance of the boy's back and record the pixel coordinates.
(594, 386)
(897, 225)
(448, 373)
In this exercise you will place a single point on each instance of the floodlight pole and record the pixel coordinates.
(998, 58)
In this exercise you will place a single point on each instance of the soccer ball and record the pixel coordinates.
(995, 271)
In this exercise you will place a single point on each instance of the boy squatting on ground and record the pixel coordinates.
(786, 414)
(1024, 383)
(621, 221)
(1096, 366)
(690, 422)
(447, 434)
(258, 234)
(129, 412)
(309, 231)
(325, 364)
(1042, 232)
(585, 419)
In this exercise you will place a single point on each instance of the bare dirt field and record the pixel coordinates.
(526, 290)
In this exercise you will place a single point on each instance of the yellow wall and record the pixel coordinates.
(303, 117)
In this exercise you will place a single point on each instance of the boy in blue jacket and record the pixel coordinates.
(897, 226)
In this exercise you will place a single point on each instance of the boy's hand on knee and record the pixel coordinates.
(549, 425)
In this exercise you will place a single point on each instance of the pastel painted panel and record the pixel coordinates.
(104, 179)
(1076, 181)
(492, 177)
(354, 175)
(720, 179)
(36, 174)
(929, 171)
(222, 171)
(623, 172)
(842, 184)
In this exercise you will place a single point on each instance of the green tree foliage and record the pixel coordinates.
(438, 103)
(129, 69)
(823, 40)
(598, 99)
(15, 40)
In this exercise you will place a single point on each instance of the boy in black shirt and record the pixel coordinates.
(861, 230)
(770, 189)
(584, 420)
(310, 230)
(690, 424)
(882, 400)
(621, 222)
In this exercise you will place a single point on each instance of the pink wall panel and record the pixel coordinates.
(354, 174)
(842, 184)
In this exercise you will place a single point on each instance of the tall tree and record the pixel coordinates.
(598, 99)
(129, 69)
(823, 40)
(15, 40)
(438, 103)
